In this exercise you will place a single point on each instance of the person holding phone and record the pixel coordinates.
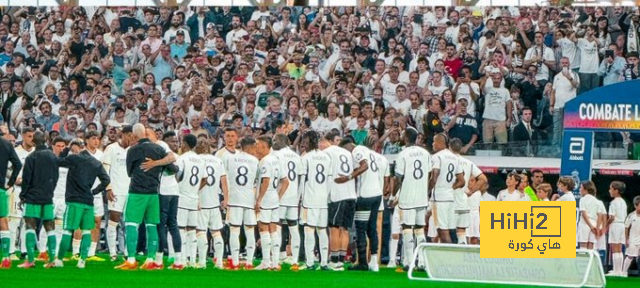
(612, 66)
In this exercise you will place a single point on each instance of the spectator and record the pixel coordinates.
(463, 126)
(497, 114)
(525, 135)
(565, 87)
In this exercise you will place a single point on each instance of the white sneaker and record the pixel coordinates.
(335, 266)
(623, 274)
(81, 264)
(263, 266)
(612, 274)
(391, 264)
(374, 267)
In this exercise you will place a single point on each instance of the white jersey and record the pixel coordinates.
(448, 164)
(116, 157)
(414, 165)
(291, 166)
(99, 155)
(191, 171)
(368, 184)
(474, 201)
(618, 209)
(316, 165)
(214, 171)
(342, 165)
(242, 173)
(589, 204)
(168, 182)
(224, 153)
(633, 222)
(22, 155)
(383, 164)
(469, 170)
(270, 168)
(567, 197)
(61, 185)
(488, 197)
(505, 195)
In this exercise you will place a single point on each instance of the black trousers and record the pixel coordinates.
(366, 226)
(169, 222)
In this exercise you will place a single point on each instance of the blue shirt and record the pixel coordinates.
(4, 59)
(162, 69)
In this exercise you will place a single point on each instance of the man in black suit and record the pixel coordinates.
(525, 136)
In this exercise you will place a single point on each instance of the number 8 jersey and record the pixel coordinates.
(192, 170)
(414, 165)
(316, 165)
(448, 164)
(242, 173)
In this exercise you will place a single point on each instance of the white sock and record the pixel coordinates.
(172, 254)
(309, 244)
(234, 244)
(419, 240)
(112, 235)
(159, 258)
(462, 237)
(58, 223)
(275, 247)
(251, 244)
(617, 261)
(218, 246)
(323, 238)
(75, 246)
(407, 246)
(178, 258)
(265, 242)
(131, 259)
(14, 223)
(374, 259)
(42, 240)
(192, 246)
(23, 238)
(626, 264)
(183, 239)
(393, 250)
(202, 247)
(295, 243)
(92, 249)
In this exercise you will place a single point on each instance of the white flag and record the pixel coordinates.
(632, 38)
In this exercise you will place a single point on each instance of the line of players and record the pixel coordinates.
(265, 183)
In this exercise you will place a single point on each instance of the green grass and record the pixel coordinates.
(102, 274)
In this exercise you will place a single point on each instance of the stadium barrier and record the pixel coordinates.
(462, 263)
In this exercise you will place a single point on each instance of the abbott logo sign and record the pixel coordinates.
(576, 148)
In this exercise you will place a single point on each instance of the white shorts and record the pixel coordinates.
(632, 250)
(210, 218)
(316, 217)
(59, 206)
(601, 244)
(14, 201)
(444, 215)
(288, 213)
(462, 219)
(237, 216)
(119, 204)
(432, 231)
(412, 217)
(584, 233)
(98, 205)
(266, 216)
(396, 228)
(616, 233)
(474, 224)
(188, 218)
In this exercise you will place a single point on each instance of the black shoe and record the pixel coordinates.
(405, 268)
(359, 267)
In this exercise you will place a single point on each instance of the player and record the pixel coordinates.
(8, 156)
(93, 142)
(115, 163)
(210, 214)
(447, 177)
(191, 178)
(169, 207)
(615, 225)
(271, 175)
(412, 170)
(145, 163)
(59, 205)
(230, 144)
(242, 171)
(15, 213)
(39, 173)
(632, 225)
(511, 193)
(368, 202)
(289, 198)
(342, 201)
(461, 204)
(83, 171)
(384, 180)
(317, 170)
(588, 231)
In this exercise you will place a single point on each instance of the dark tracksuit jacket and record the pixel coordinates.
(83, 171)
(8, 154)
(146, 182)
(39, 176)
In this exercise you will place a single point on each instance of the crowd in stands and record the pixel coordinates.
(494, 76)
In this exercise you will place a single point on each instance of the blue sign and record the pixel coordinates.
(577, 155)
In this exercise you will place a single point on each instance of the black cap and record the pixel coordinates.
(94, 70)
(180, 32)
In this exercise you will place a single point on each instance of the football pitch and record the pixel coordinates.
(102, 274)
